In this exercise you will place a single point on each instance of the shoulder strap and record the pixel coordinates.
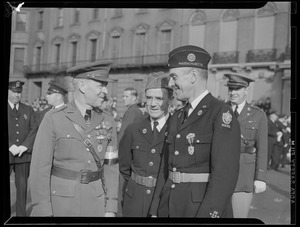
(88, 144)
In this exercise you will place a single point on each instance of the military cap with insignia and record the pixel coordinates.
(236, 80)
(16, 86)
(189, 56)
(158, 80)
(54, 88)
(97, 71)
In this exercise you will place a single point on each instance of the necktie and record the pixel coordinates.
(87, 117)
(15, 108)
(236, 113)
(186, 112)
(155, 130)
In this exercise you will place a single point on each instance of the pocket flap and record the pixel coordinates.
(139, 146)
(99, 189)
(62, 187)
(170, 139)
(201, 139)
(198, 192)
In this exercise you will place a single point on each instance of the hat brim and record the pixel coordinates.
(19, 90)
(235, 86)
(102, 80)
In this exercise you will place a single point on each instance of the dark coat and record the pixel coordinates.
(217, 152)
(254, 130)
(141, 155)
(22, 130)
(59, 143)
(132, 114)
(41, 114)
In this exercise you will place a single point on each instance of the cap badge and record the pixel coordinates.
(18, 84)
(191, 57)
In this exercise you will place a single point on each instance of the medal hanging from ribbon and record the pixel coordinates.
(190, 138)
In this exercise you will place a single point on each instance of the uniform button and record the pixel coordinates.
(89, 136)
(176, 152)
(17, 132)
(178, 136)
(89, 161)
(252, 127)
(150, 163)
(173, 186)
(54, 192)
(17, 140)
(148, 191)
(16, 118)
(137, 147)
(88, 149)
(153, 151)
(17, 125)
(174, 169)
(68, 136)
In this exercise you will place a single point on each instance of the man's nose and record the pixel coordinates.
(171, 82)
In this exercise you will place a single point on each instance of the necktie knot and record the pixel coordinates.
(87, 117)
(15, 108)
(186, 111)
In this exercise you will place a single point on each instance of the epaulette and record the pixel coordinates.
(256, 107)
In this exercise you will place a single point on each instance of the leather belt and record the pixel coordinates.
(146, 181)
(85, 176)
(248, 149)
(178, 177)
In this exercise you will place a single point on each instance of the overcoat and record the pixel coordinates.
(141, 154)
(216, 142)
(58, 143)
(22, 130)
(254, 147)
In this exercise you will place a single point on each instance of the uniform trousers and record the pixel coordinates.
(241, 202)
(274, 155)
(21, 176)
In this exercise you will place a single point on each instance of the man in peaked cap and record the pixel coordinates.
(141, 148)
(254, 144)
(202, 146)
(55, 98)
(21, 133)
(76, 151)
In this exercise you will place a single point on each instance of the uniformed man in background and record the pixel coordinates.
(21, 133)
(254, 144)
(203, 145)
(55, 98)
(140, 148)
(74, 169)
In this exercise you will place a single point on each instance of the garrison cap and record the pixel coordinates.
(158, 80)
(16, 86)
(236, 80)
(54, 88)
(189, 56)
(97, 71)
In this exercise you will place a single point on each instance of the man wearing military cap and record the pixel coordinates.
(202, 146)
(254, 144)
(55, 98)
(141, 148)
(74, 169)
(21, 133)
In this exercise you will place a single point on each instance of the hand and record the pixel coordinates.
(153, 216)
(14, 150)
(279, 135)
(260, 186)
(110, 214)
(22, 149)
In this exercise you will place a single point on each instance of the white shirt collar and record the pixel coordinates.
(12, 105)
(196, 101)
(240, 107)
(81, 107)
(161, 122)
(60, 106)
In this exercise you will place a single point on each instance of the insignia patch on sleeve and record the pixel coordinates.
(226, 118)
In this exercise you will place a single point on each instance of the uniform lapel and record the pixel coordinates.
(162, 132)
(245, 112)
(73, 113)
(146, 130)
(179, 118)
(97, 118)
(21, 110)
(198, 112)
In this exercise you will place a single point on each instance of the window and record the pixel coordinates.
(19, 56)
(140, 44)
(57, 54)
(60, 17)
(165, 41)
(228, 33)
(40, 20)
(93, 50)
(21, 22)
(95, 14)
(115, 44)
(38, 57)
(264, 27)
(76, 15)
(74, 53)
(197, 29)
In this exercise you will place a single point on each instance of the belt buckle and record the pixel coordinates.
(87, 143)
(84, 179)
(148, 182)
(176, 177)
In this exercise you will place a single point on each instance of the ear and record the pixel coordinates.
(194, 76)
(82, 85)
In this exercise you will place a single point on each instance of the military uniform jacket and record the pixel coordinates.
(21, 131)
(59, 143)
(216, 151)
(132, 114)
(140, 154)
(254, 147)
